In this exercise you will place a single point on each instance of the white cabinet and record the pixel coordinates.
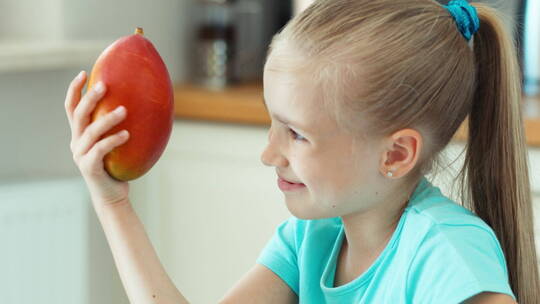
(210, 205)
(534, 161)
(536, 204)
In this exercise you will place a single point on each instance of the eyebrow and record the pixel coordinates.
(284, 120)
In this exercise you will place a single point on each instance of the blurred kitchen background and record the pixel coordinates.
(209, 205)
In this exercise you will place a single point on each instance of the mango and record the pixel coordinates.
(137, 78)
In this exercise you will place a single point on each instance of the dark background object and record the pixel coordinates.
(232, 39)
(530, 46)
(520, 21)
(215, 42)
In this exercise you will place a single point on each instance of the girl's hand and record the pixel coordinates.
(87, 151)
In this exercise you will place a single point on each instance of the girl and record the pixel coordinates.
(364, 95)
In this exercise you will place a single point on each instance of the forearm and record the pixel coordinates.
(144, 278)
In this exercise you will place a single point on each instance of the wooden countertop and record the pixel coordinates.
(243, 104)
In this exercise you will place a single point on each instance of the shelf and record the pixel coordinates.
(243, 104)
(39, 55)
(237, 104)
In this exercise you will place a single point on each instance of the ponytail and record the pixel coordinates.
(495, 177)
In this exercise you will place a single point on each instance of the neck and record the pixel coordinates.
(368, 233)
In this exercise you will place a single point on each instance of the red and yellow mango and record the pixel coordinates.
(137, 78)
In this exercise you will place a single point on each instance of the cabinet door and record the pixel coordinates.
(210, 206)
(534, 169)
(536, 209)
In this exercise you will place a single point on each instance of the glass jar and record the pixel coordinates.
(215, 46)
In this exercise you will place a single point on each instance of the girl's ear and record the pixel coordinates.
(401, 153)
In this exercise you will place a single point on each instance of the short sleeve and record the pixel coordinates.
(280, 254)
(456, 262)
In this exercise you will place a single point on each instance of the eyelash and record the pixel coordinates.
(294, 134)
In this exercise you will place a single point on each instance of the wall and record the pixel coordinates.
(33, 126)
(34, 131)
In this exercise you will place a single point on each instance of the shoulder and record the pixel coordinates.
(434, 213)
(467, 247)
(449, 228)
(455, 260)
(440, 219)
(461, 233)
(457, 255)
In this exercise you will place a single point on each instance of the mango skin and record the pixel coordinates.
(137, 78)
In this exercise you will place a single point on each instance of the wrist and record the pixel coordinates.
(101, 207)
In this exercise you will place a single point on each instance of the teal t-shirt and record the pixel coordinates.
(440, 253)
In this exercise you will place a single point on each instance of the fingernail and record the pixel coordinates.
(100, 87)
(120, 109)
(80, 76)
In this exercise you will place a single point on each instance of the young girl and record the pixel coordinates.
(364, 95)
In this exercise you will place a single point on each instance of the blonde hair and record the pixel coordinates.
(387, 65)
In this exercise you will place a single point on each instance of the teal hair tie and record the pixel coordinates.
(465, 16)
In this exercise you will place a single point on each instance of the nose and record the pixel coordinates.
(271, 156)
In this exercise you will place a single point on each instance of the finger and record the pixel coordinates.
(81, 114)
(93, 162)
(73, 94)
(99, 127)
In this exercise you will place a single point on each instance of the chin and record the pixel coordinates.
(305, 213)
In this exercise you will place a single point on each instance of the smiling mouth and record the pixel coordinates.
(288, 186)
(293, 183)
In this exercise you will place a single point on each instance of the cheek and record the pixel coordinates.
(303, 167)
(339, 172)
(320, 174)
(334, 180)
